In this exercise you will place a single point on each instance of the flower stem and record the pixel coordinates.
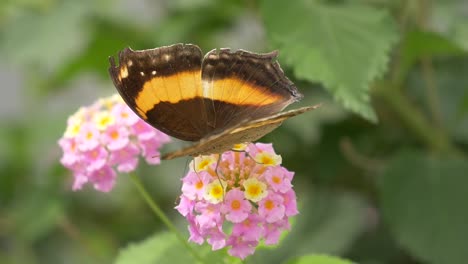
(433, 137)
(160, 214)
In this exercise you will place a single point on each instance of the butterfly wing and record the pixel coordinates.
(163, 87)
(246, 131)
(176, 91)
(242, 86)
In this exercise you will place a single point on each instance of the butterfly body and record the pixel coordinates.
(218, 100)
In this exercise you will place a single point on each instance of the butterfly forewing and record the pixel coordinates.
(243, 85)
(163, 86)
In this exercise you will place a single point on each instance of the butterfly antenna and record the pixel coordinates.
(186, 166)
(248, 155)
(217, 175)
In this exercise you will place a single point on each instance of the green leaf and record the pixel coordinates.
(166, 248)
(35, 216)
(420, 44)
(424, 203)
(160, 248)
(342, 46)
(319, 259)
(46, 39)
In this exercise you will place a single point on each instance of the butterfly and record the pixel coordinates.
(216, 101)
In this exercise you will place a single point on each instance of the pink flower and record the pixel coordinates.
(143, 131)
(79, 179)
(88, 138)
(185, 206)
(105, 137)
(150, 147)
(115, 137)
(71, 154)
(273, 231)
(241, 248)
(290, 203)
(209, 215)
(194, 184)
(103, 179)
(124, 115)
(95, 158)
(279, 179)
(272, 208)
(216, 238)
(251, 229)
(125, 158)
(238, 200)
(235, 206)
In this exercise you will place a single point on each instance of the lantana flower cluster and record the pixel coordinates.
(104, 138)
(238, 199)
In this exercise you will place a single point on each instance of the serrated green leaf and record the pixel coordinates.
(319, 259)
(424, 203)
(342, 46)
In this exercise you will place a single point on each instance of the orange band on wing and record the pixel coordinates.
(187, 85)
(171, 89)
(236, 91)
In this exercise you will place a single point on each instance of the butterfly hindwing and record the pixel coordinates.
(246, 131)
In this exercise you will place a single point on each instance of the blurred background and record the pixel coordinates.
(388, 191)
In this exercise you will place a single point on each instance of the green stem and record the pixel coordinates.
(431, 135)
(427, 69)
(159, 213)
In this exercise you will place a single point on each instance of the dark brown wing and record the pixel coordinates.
(186, 97)
(243, 86)
(163, 87)
(247, 131)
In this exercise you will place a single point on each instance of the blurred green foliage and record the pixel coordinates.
(381, 167)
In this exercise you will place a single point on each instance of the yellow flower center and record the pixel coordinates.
(268, 159)
(276, 179)
(199, 185)
(269, 205)
(203, 163)
(103, 120)
(73, 129)
(254, 189)
(215, 191)
(73, 146)
(89, 135)
(114, 134)
(235, 205)
(239, 147)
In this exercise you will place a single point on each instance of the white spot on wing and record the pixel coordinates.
(142, 73)
(123, 72)
(153, 72)
(130, 63)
